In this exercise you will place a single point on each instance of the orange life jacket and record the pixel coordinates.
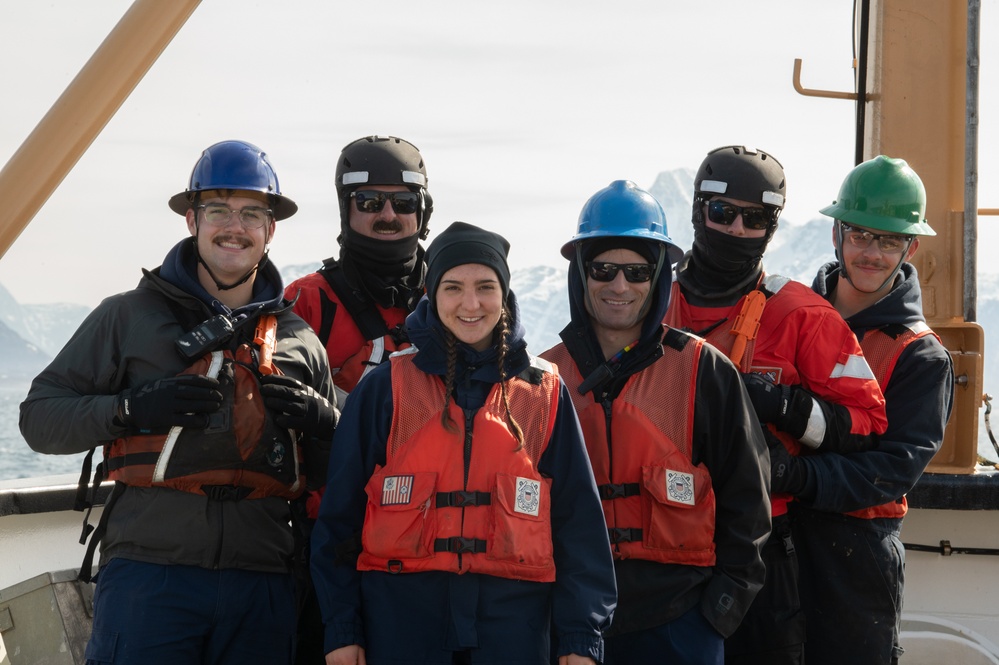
(242, 454)
(659, 506)
(776, 308)
(882, 352)
(422, 514)
(358, 334)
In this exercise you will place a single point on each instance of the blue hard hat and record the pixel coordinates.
(234, 165)
(622, 209)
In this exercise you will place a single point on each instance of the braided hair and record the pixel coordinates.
(501, 331)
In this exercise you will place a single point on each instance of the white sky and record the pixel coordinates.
(522, 110)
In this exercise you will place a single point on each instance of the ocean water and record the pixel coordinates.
(17, 460)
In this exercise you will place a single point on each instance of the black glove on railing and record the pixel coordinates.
(184, 400)
(787, 472)
(299, 407)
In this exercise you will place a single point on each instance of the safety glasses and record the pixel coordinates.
(404, 203)
(251, 217)
(601, 271)
(723, 212)
(887, 243)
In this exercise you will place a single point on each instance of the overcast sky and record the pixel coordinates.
(522, 111)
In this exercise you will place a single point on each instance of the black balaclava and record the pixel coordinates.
(719, 266)
(390, 271)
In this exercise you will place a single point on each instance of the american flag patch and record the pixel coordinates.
(771, 374)
(397, 490)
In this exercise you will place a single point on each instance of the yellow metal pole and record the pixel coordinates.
(916, 110)
(84, 108)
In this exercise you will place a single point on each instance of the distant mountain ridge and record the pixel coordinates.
(32, 334)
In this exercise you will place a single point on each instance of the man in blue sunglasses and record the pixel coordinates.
(811, 387)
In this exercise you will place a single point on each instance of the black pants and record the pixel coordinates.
(773, 631)
(852, 577)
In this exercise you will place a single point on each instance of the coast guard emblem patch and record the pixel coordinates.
(680, 487)
(397, 490)
(528, 496)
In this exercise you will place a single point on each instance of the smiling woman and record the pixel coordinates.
(461, 464)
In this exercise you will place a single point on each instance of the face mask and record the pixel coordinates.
(391, 271)
(722, 265)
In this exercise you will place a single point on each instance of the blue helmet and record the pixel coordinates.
(622, 209)
(234, 165)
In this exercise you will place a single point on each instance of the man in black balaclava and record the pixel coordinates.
(802, 366)
(358, 303)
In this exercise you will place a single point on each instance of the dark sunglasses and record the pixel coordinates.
(601, 271)
(404, 203)
(723, 212)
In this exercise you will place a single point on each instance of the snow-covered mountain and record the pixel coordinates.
(32, 333)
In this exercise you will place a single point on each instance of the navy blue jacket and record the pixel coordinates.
(423, 617)
(727, 440)
(918, 401)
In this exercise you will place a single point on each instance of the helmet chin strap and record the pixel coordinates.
(846, 275)
(227, 287)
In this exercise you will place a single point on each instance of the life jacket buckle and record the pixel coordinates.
(624, 535)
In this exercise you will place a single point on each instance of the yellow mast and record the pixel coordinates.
(84, 108)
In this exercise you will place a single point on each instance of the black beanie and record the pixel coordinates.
(647, 248)
(463, 243)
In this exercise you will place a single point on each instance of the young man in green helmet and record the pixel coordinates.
(849, 508)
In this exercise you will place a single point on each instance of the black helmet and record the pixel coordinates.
(382, 160)
(741, 173)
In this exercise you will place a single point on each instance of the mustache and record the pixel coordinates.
(390, 225)
(241, 240)
(877, 265)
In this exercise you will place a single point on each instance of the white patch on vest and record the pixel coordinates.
(528, 496)
(397, 490)
(680, 487)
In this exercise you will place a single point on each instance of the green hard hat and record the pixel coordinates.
(884, 194)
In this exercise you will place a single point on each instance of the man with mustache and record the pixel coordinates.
(805, 373)
(358, 303)
(849, 508)
(196, 546)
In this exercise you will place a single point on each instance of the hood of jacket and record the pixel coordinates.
(581, 340)
(180, 268)
(426, 332)
(903, 304)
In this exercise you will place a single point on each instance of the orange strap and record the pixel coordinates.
(747, 324)
(266, 338)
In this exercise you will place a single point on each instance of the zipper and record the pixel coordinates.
(607, 405)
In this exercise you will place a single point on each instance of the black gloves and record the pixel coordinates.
(184, 400)
(299, 407)
(788, 474)
(787, 407)
(769, 400)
